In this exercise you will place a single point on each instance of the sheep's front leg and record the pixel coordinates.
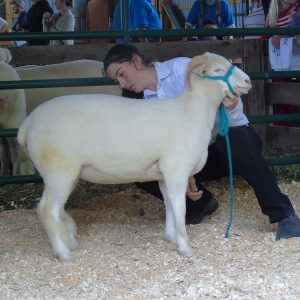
(176, 190)
(60, 226)
(170, 226)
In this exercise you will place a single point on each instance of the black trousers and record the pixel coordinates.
(248, 162)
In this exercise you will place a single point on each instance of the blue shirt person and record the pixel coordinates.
(18, 8)
(216, 11)
(142, 16)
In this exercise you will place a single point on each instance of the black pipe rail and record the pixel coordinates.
(15, 36)
(96, 81)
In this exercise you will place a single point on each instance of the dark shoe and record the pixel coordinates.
(288, 227)
(196, 217)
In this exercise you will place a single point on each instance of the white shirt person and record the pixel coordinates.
(62, 21)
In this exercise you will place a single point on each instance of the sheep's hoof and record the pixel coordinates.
(67, 256)
(171, 239)
(186, 251)
(73, 244)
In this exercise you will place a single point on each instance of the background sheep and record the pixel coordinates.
(12, 114)
(75, 69)
(110, 139)
(14, 103)
(5, 55)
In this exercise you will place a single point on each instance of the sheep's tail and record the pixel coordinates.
(22, 132)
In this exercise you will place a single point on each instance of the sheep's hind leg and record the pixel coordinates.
(60, 227)
(176, 190)
(170, 227)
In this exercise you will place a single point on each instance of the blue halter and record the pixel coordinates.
(224, 78)
(223, 131)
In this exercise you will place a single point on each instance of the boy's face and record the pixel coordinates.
(127, 75)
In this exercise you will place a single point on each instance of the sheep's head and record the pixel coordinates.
(213, 66)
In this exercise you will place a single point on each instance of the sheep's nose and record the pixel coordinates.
(248, 81)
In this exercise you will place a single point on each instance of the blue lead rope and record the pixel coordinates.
(223, 131)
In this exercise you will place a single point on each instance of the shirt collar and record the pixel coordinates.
(162, 72)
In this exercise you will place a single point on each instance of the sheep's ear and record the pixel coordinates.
(198, 62)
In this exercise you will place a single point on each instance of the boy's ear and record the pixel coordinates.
(138, 62)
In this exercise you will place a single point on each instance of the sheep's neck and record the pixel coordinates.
(210, 97)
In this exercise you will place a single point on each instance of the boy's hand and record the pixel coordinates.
(230, 101)
(192, 190)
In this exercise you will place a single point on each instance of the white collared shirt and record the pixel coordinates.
(170, 83)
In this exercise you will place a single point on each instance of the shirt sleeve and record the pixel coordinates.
(139, 14)
(228, 20)
(193, 14)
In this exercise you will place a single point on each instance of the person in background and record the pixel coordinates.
(3, 25)
(216, 11)
(266, 5)
(295, 23)
(281, 14)
(256, 18)
(19, 9)
(62, 21)
(35, 17)
(142, 16)
(160, 80)
(210, 25)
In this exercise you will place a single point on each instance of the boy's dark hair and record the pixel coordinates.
(121, 53)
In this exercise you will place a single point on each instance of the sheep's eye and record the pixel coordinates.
(219, 70)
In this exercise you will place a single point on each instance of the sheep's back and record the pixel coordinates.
(111, 127)
(73, 69)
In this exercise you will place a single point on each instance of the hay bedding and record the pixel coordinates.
(122, 254)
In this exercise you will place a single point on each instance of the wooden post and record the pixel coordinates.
(255, 103)
(98, 17)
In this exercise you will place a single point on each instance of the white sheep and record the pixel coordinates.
(111, 140)
(12, 114)
(14, 103)
(83, 68)
(5, 55)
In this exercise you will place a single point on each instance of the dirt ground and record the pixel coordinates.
(122, 253)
